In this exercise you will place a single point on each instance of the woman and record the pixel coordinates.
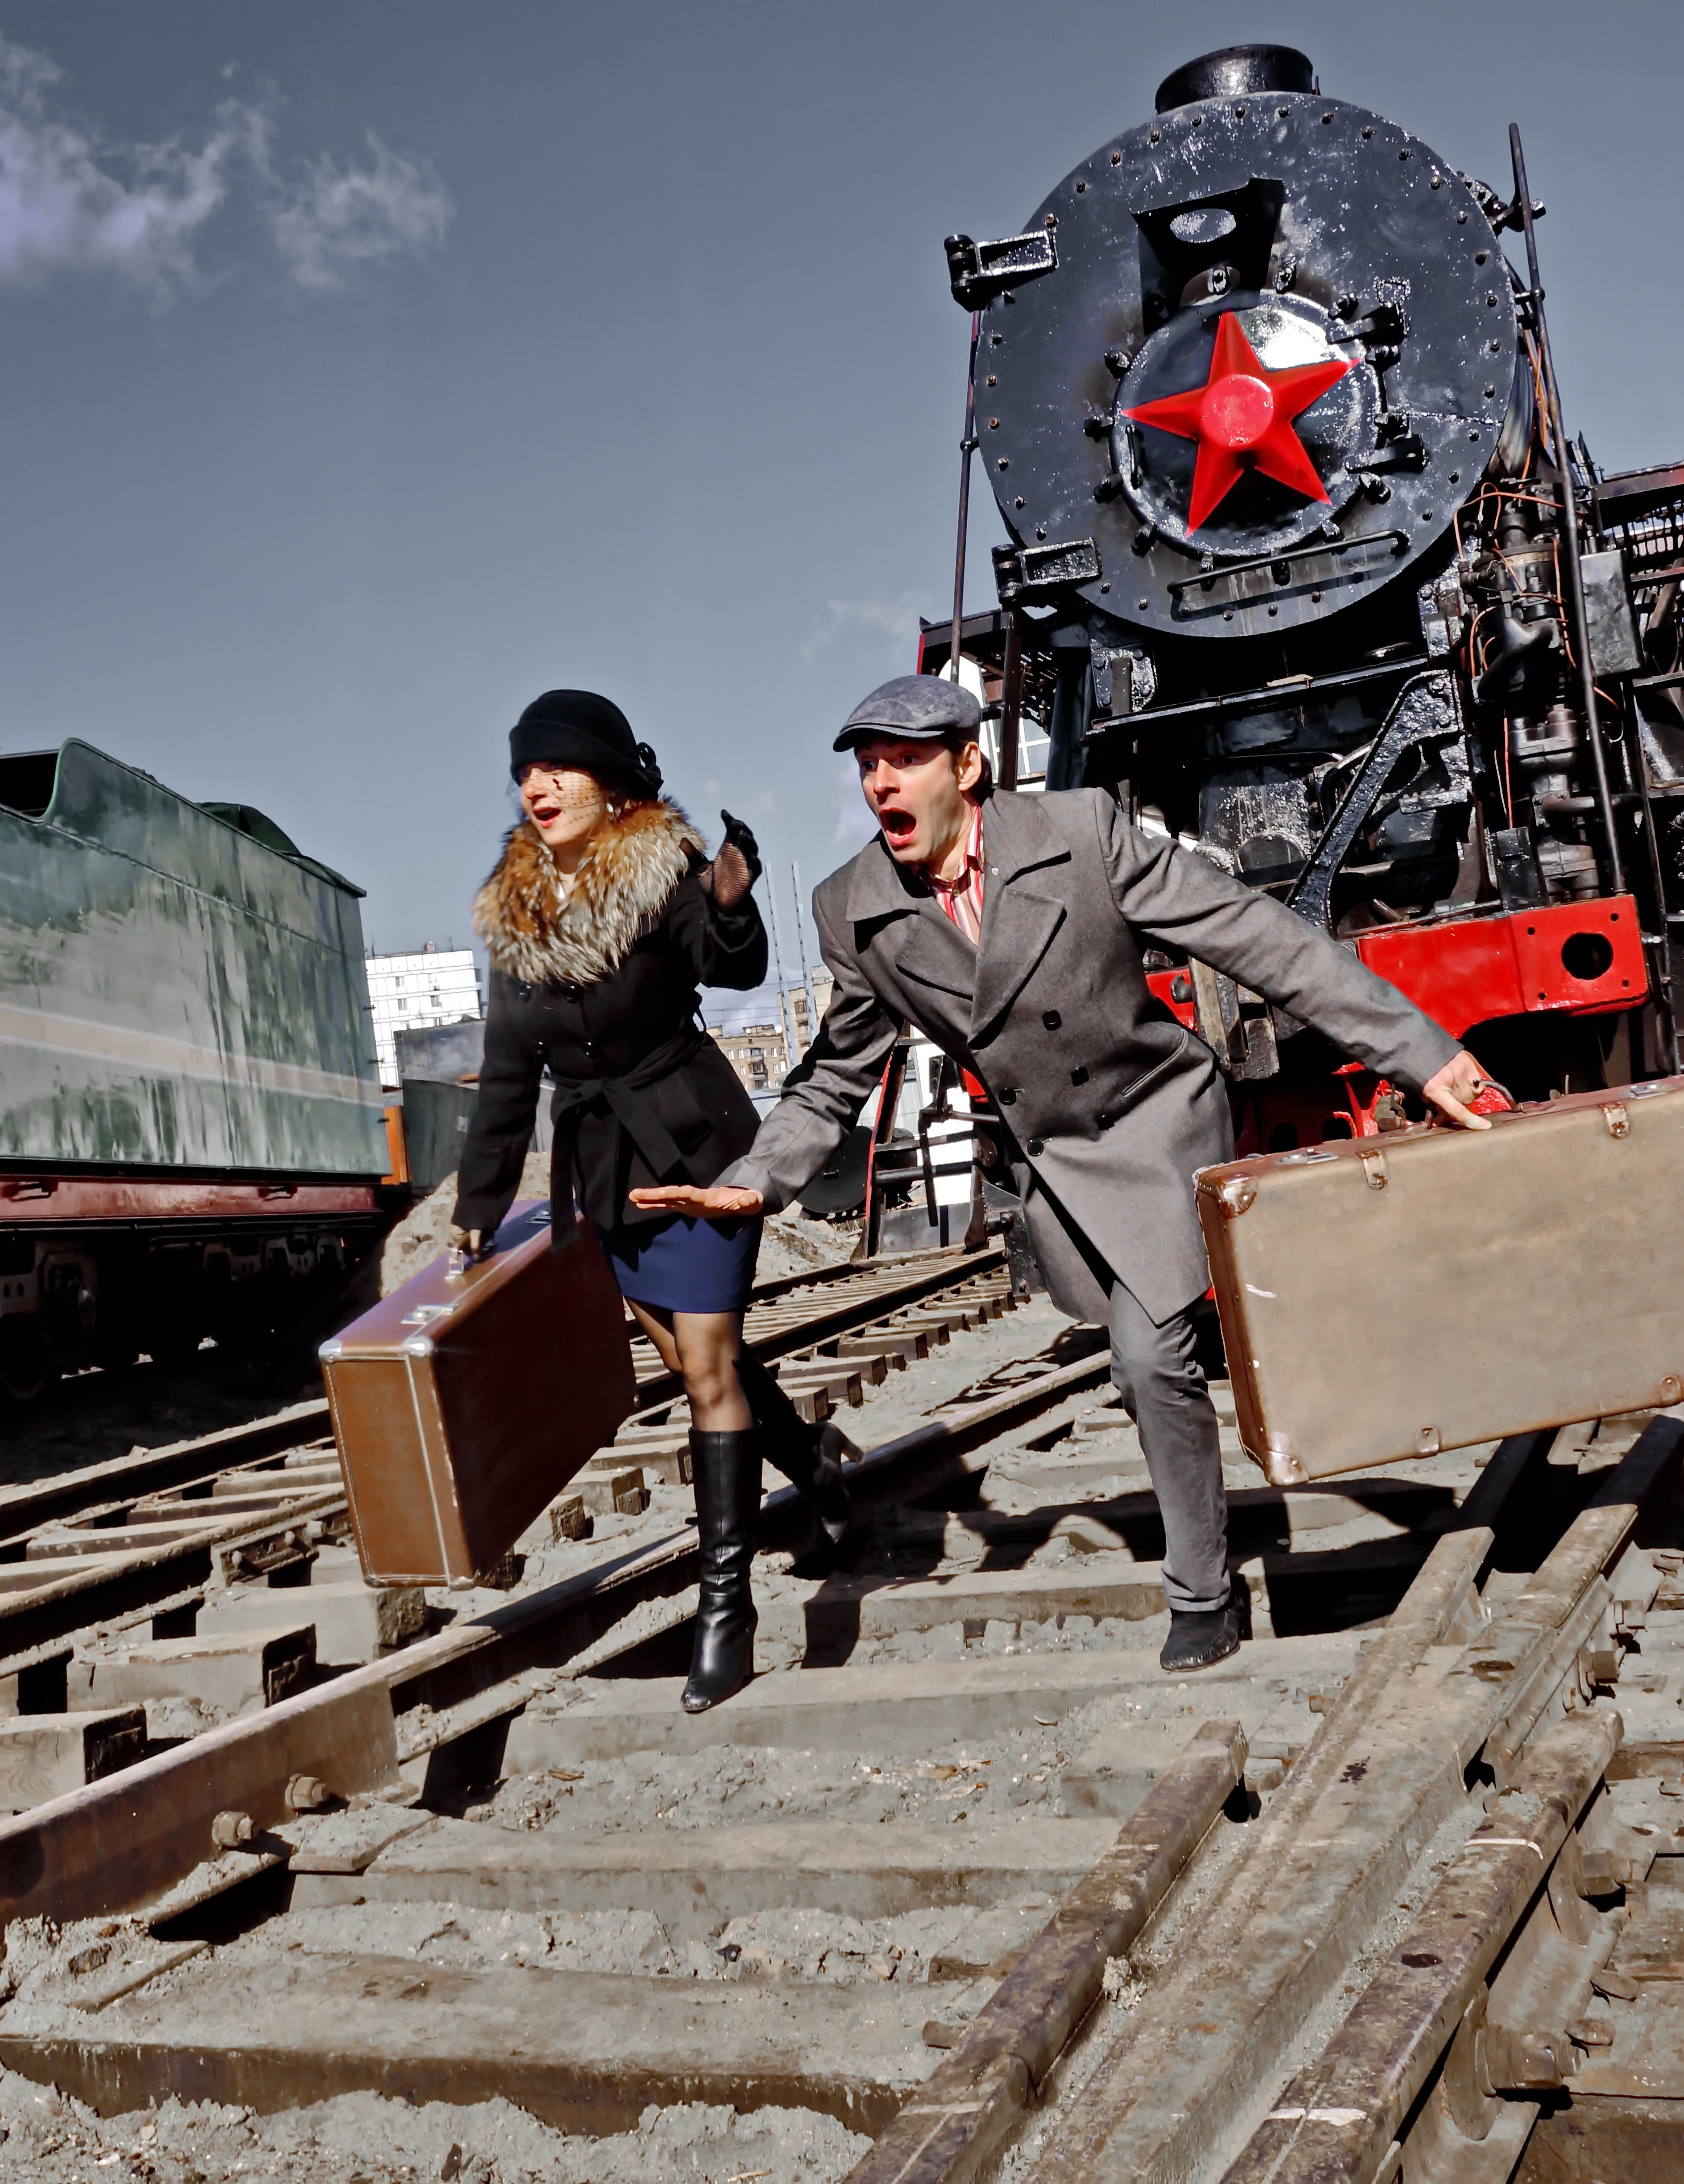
(601, 919)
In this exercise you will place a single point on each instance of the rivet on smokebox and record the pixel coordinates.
(232, 1830)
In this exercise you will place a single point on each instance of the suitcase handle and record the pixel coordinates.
(1491, 1099)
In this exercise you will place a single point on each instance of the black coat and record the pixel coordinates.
(603, 991)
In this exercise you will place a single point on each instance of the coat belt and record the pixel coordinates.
(572, 1101)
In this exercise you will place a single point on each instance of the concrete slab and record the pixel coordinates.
(585, 2051)
(47, 1755)
(231, 1670)
(887, 1707)
(696, 1880)
(353, 1622)
(1107, 1587)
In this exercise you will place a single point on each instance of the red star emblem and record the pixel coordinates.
(1242, 417)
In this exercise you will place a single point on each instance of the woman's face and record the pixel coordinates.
(564, 804)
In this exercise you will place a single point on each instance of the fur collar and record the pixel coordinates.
(630, 869)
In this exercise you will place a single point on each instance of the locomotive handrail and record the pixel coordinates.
(1206, 578)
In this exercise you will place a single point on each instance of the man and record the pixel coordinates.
(1009, 928)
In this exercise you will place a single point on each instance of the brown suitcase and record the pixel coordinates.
(1386, 1297)
(464, 1401)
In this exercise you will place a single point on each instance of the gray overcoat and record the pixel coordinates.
(1112, 1104)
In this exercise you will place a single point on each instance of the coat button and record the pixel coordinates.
(1078, 1077)
(1036, 1149)
(1005, 1096)
(1103, 1122)
(1052, 1019)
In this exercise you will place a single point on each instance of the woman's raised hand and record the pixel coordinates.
(719, 1201)
(737, 866)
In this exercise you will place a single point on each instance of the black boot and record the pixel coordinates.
(808, 1456)
(1200, 1639)
(725, 1467)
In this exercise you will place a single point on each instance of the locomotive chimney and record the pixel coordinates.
(1237, 72)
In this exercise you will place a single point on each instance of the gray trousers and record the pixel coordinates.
(1157, 1375)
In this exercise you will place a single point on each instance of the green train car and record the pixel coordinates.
(193, 1133)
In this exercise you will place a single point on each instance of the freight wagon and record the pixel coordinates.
(192, 1137)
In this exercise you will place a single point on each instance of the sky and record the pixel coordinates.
(369, 366)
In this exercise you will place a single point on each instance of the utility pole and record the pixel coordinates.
(801, 946)
(778, 973)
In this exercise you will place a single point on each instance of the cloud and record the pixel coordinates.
(69, 201)
(854, 824)
(338, 220)
(61, 204)
(896, 619)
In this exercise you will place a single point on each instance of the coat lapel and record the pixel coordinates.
(1020, 918)
(924, 947)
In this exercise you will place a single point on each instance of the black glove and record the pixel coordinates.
(734, 871)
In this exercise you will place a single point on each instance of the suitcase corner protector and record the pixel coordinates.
(1280, 1467)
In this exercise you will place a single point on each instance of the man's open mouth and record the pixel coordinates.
(897, 825)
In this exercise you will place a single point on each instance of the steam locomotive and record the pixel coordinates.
(1304, 567)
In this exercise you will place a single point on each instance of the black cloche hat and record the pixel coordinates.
(577, 727)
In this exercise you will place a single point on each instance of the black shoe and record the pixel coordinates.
(808, 1456)
(725, 1467)
(1199, 1640)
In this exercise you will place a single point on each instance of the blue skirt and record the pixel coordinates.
(681, 1265)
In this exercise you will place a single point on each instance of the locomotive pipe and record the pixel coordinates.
(967, 449)
(1573, 579)
(1011, 699)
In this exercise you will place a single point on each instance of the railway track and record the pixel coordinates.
(246, 1529)
(961, 1883)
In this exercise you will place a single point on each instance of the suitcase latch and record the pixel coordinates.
(1617, 1121)
(1374, 1168)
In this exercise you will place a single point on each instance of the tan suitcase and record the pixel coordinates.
(1386, 1297)
(464, 1401)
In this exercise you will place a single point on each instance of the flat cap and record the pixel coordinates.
(911, 706)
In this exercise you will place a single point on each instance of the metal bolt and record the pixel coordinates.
(993, 380)
(1327, 117)
(308, 1793)
(993, 424)
(1144, 604)
(1018, 503)
(1462, 217)
(1079, 187)
(1105, 586)
(1154, 136)
(1240, 111)
(1438, 181)
(1116, 159)
(1405, 153)
(1368, 132)
(1003, 463)
(228, 1830)
(1281, 113)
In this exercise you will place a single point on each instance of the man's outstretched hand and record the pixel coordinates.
(720, 1201)
(1460, 1080)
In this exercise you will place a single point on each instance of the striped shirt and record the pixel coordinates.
(961, 897)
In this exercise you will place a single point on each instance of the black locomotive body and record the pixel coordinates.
(1303, 567)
